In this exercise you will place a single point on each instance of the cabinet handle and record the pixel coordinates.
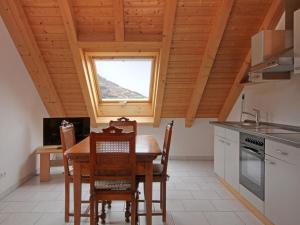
(281, 152)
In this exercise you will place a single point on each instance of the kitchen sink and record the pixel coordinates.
(249, 125)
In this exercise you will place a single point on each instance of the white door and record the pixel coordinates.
(219, 157)
(232, 164)
(282, 187)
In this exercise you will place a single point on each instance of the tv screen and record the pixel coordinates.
(51, 134)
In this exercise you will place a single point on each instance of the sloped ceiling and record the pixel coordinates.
(37, 27)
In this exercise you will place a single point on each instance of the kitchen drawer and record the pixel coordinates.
(283, 152)
(220, 131)
(232, 135)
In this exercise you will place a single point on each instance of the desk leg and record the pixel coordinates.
(77, 193)
(148, 191)
(45, 167)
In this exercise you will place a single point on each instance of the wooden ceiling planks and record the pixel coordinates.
(144, 20)
(49, 31)
(187, 50)
(208, 59)
(270, 21)
(236, 32)
(67, 12)
(169, 18)
(19, 28)
(99, 26)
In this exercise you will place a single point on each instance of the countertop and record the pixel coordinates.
(278, 132)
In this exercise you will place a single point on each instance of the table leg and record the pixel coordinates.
(77, 193)
(148, 191)
(45, 167)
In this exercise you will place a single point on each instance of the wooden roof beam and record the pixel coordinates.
(169, 19)
(112, 46)
(271, 19)
(21, 33)
(78, 57)
(119, 20)
(208, 59)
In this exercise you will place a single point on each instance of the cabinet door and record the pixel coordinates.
(219, 157)
(282, 198)
(232, 164)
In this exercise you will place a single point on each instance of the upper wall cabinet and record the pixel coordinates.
(297, 42)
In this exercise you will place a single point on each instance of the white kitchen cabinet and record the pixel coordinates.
(219, 156)
(282, 185)
(226, 155)
(297, 42)
(232, 164)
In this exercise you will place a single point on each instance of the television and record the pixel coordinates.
(51, 133)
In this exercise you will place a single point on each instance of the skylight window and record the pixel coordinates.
(124, 78)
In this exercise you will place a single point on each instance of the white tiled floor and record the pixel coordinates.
(195, 197)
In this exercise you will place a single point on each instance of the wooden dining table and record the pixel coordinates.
(147, 149)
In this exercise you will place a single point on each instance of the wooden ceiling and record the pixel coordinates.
(204, 48)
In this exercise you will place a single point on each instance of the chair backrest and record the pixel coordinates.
(67, 137)
(112, 156)
(125, 124)
(166, 147)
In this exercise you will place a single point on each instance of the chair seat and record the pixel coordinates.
(157, 169)
(158, 175)
(112, 185)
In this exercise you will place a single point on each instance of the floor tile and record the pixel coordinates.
(19, 207)
(179, 195)
(228, 205)
(3, 216)
(190, 218)
(174, 205)
(21, 219)
(52, 219)
(248, 218)
(223, 218)
(197, 205)
(205, 194)
(49, 207)
(194, 196)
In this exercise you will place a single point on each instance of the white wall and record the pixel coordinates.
(187, 143)
(21, 112)
(279, 101)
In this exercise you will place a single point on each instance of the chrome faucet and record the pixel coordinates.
(256, 115)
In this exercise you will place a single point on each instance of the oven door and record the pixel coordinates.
(252, 170)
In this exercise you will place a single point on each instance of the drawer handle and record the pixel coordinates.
(282, 153)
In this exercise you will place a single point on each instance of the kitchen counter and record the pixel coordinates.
(281, 133)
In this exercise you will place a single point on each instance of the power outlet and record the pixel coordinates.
(2, 175)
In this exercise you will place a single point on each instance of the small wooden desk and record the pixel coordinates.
(147, 150)
(46, 163)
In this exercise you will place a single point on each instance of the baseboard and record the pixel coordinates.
(15, 186)
(191, 158)
(259, 215)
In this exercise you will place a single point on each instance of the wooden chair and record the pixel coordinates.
(125, 124)
(67, 136)
(113, 170)
(160, 174)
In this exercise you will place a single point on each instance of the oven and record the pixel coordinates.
(252, 164)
